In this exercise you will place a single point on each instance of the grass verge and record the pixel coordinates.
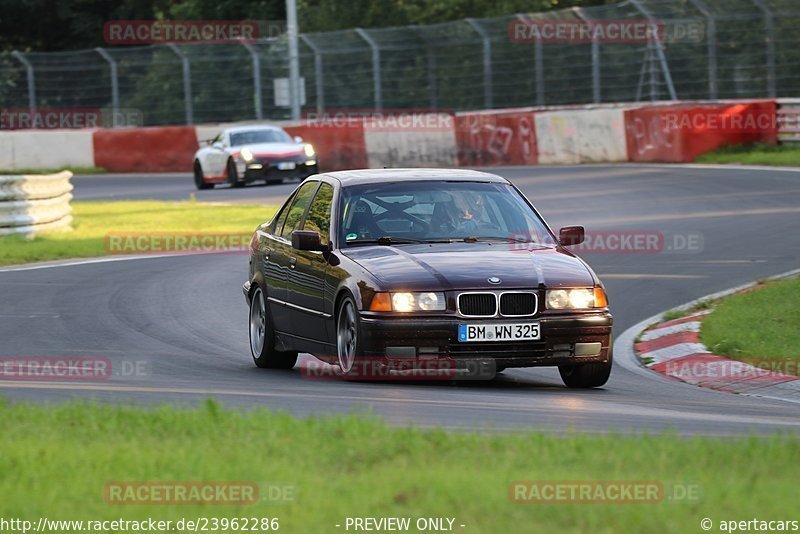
(679, 314)
(96, 220)
(758, 326)
(74, 170)
(786, 155)
(56, 461)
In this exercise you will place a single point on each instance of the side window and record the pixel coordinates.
(298, 209)
(319, 214)
(280, 218)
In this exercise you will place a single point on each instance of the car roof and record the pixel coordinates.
(374, 176)
(254, 127)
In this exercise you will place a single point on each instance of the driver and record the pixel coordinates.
(470, 211)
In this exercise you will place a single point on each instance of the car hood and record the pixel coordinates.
(470, 265)
(272, 149)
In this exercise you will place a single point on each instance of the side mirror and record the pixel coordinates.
(571, 235)
(306, 240)
(217, 144)
(298, 139)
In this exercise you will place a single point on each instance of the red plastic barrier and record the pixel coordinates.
(158, 149)
(500, 138)
(679, 134)
(340, 145)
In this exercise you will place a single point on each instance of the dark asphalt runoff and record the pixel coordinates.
(183, 320)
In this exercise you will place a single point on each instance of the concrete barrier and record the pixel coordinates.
(504, 137)
(413, 140)
(581, 136)
(660, 132)
(157, 149)
(35, 203)
(339, 145)
(681, 133)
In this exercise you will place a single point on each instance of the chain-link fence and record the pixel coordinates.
(706, 49)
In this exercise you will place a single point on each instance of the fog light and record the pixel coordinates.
(401, 352)
(588, 349)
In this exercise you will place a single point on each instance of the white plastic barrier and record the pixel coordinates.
(35, 203)
(581, 136)
(411, 140)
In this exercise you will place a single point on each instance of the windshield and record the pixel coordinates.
(438, 211)
(259, 136)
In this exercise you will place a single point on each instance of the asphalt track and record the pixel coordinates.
(184, 319)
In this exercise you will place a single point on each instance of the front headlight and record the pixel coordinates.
(246, 154)
(576, 299)
(408, 302)
(309, 150)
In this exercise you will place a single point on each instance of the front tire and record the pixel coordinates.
(199, 181)
(348, 336)
(233, 175)
(262, 337)
(587, 375)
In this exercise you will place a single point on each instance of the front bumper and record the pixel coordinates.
(279, 169)
(406, 339)
(246, 290)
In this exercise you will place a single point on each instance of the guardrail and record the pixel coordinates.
(35, 203)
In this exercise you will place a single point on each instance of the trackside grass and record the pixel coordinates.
(73, 170)
(57, 459)
(787, 155)
(95, 220)
(761, 325)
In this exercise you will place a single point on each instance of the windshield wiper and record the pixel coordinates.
(387, 240)
(475, 239)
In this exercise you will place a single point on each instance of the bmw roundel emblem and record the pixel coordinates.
(494, 280)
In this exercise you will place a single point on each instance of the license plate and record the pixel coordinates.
(498, 332)
(286, 165)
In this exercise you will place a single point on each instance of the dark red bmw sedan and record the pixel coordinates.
(409, 267)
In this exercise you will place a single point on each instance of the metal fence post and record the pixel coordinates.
(713, 92)
(487, 62)
(294, 58)
(256, 79)
(596, 98)
(538, 65)
(318, 75)
(187, 82)
(112, 64)
(376, 66)
(769, 23)
(433, 82)
(31, 80)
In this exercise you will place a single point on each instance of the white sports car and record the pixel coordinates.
(245, 154)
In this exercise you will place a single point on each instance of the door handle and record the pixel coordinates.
(292, 262)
